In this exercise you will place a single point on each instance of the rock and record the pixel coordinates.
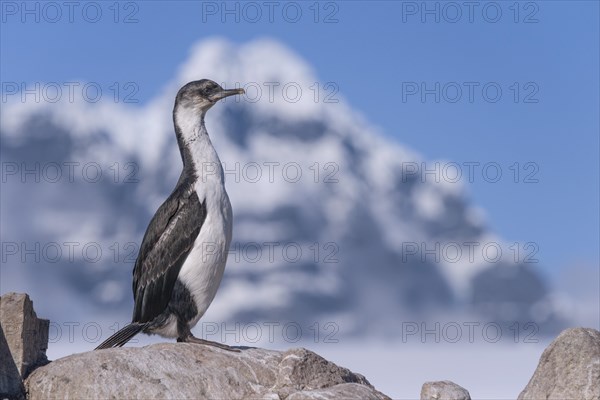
(444, 390)
(569, 368)
(11, 384)
(184, 370)
(23, 342)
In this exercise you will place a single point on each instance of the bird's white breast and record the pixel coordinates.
(203, 269)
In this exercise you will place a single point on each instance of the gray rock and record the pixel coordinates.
(11, 384)
(183, 370)
(23, 342)
(568, 369)
(444, 390)
(341, 391)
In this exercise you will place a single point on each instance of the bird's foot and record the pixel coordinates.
(194, 339)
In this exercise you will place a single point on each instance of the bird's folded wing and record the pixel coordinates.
(167, 243)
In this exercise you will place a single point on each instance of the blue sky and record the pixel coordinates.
(376, 52)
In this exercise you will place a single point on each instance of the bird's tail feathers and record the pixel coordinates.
(122, 336)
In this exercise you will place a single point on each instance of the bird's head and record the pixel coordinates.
(201, 95)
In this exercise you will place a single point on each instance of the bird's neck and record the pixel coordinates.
(200, 159)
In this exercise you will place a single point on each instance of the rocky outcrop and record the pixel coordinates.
(182, 370)
(568, 369)
(166, 370)
(23, 342)
(444, 390)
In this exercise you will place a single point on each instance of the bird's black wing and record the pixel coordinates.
(166, 244)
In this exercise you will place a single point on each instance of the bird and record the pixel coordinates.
(184, 250)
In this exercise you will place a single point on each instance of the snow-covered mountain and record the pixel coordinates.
(332, 220)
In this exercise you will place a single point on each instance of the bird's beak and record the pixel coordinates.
(226, 93)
